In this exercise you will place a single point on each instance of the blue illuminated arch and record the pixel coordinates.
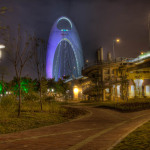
(66, 32)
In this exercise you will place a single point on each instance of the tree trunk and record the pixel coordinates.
(19, 106)
(41, 96)
(3, 84)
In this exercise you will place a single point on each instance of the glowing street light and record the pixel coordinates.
(1, 47)
(115, 41)
(75, 92)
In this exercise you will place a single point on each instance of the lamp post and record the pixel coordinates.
(149, 30)
(115, 41)
(1, 47)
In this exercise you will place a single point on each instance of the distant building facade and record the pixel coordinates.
(116, 79)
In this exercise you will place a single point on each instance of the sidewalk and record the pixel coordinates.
(98, 131)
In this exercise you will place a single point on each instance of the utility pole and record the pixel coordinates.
(149, 31)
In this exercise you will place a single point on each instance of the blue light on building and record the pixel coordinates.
(64, 52)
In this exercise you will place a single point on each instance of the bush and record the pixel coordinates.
(127, 106)
(56, 107)
(34, 106)
(31, 96)
(48, 98)
(8, 103)
(89, 101)
(31, 106)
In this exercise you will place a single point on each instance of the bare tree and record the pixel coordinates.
(19, 52)
(3, 72)
(38, 61)
(3, 10)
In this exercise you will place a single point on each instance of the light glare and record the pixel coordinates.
(2, 46)
(117, 40)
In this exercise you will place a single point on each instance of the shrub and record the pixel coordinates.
(55, 107)
(127, 106)
(88, 101)
(31, 96)
(31, 106)
(48, 98)
(8, 103)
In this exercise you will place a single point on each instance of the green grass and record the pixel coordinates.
(32, 116)
(137, 140)
(29, 120)
(127, 106)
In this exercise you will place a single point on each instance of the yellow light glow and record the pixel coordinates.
(142, 53)
(76, 90)
(117, 40)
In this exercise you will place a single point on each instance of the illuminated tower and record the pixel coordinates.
(64, 52)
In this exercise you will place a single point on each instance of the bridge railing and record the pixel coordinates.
(101, 63)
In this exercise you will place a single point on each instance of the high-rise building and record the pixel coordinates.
(64, 52)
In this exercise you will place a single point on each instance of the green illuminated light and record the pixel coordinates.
(24, 86)
(1, 88)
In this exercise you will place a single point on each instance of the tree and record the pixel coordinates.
(19, 52)
(3, 10)
(38, 61)
(27, 85)
(61, 87)
(51, 83)
(2, 82)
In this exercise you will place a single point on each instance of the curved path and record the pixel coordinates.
(99, 130)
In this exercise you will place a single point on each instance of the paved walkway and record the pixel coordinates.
(100, 130)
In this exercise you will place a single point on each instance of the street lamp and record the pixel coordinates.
(149, 29)
(115, 41)
(1, 47)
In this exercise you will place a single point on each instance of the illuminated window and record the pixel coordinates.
(147, 90)
(132, 91)
(107, 90)
(118, 90)
(132, 88)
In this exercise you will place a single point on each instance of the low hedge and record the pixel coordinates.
(127, 106)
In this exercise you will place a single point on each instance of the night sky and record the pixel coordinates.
(98, 22)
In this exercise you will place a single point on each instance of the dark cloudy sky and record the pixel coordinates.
(98, 22)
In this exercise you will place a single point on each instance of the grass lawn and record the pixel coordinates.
(29, 120)
(137, 140)
(31, 116)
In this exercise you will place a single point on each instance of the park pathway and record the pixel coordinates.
(101, 129)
